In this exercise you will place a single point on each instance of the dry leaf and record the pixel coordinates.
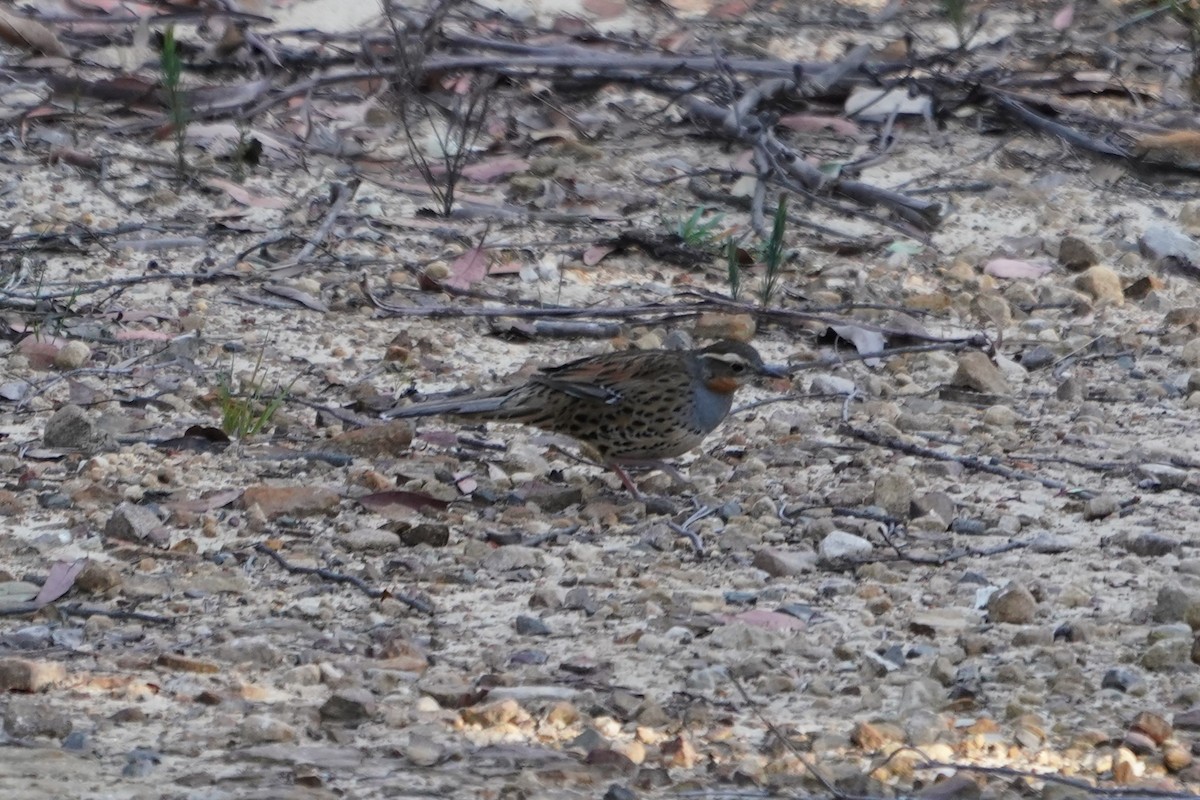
(1064, 18)
(242, 195)
(59, 581)
(605, 9)
(596, 253)
(495, 168)
(469, 268)
(382, 502)
(1014, 268)
(812, 123)
(30, 35)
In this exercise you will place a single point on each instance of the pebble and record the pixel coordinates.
(70, 428)
(894, 493)
(73, 355)
(531, 626)
(1100, 506)
(840, 545)
(1102, 284)
(785, 563)
(976, 371)
(349, 706)
(1012, 604)
(1167, 654)
(1075, 254)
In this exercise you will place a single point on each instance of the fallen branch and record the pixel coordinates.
(339, 577)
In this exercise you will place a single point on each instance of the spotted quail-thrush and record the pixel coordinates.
(632, 408)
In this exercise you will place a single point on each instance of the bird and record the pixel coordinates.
(631, 408)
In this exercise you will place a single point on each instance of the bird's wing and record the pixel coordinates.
(600, 377)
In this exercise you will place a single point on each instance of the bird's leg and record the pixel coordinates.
(628, 481)
(654, 463)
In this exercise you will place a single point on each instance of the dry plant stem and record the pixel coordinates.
(652, 313)
(338, 577)
(970, 462)
(805, 758)
(77, 610)
(1015, 108)
(341, 195)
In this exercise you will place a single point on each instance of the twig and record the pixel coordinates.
(342, 194)
(970, 462)
(78, 610)
(338, 577)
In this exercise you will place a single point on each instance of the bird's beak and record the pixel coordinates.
(775, 371)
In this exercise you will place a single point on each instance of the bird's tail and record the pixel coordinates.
(486, 407)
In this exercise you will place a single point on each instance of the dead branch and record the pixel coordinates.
(411, 601)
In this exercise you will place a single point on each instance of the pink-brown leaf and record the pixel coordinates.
(59, 581)
(495, 168)
(595, 254)
(468, 269)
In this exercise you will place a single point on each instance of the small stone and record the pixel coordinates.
(894, 493)
(976, 371)
(784, 563)
(132, 523)
(24, 675)
(832, 385)
(293, 501)
(718, 325)
(73, 355)
(375, 441)
(1156, 728)
(1173, 603)
(1176, 757)
(70, 427)
(1000, 416)
(433, 534)
(873, 736)
(1038, 357)
(1165, 476)
(1190, 355)
(97, 578)
(1100, 507)
(368, 539)
(1013, 604)
(1075, 254)
(1152, 545)
(840, 545)
(1103, 284)
(1121, 679)
(180, 663)
(938, 503)
(531, 626)
(512, 558)
(1159, 242)
(260, 728)
(992, 309)
(1167, 654)
(27, 717)
(350, 706)
(1185, 317)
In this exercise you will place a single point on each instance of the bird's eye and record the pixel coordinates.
(737, 366)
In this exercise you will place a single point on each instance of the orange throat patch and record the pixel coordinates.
(723, 385)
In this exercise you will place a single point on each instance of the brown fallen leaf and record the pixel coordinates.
(381, 502)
